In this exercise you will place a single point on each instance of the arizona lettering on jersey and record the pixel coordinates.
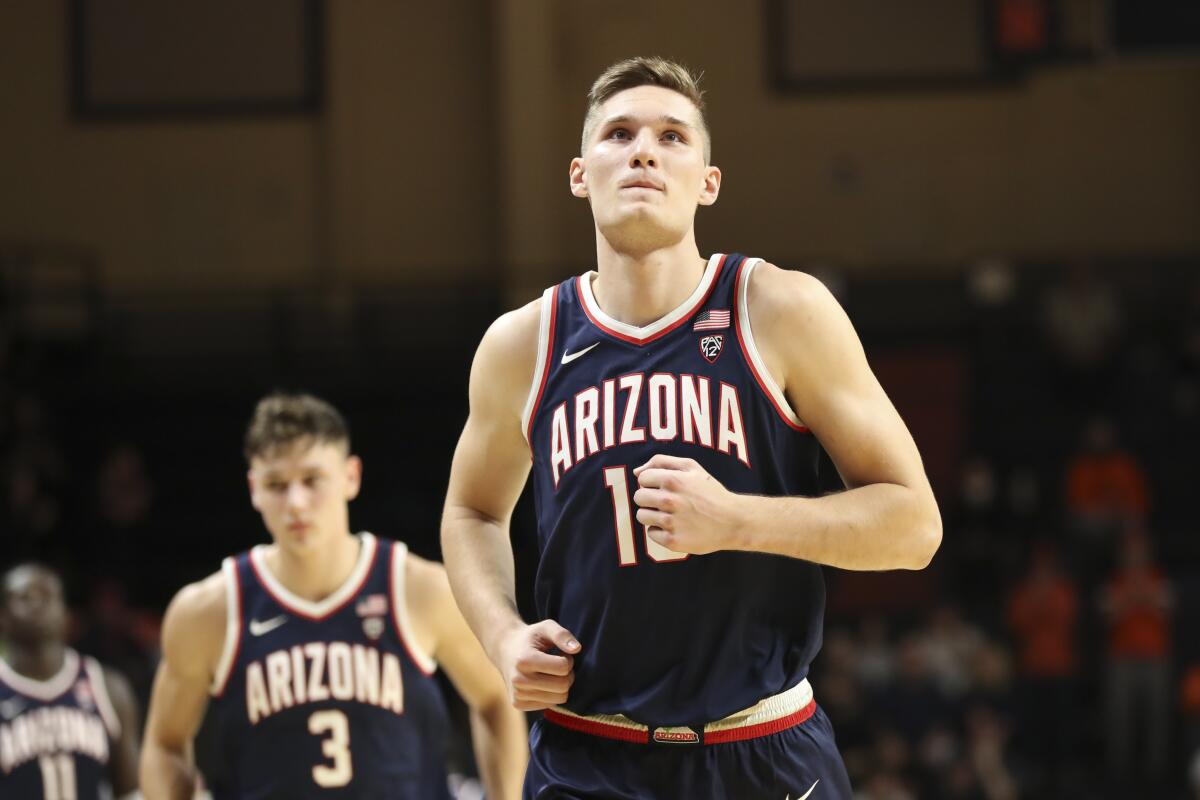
(676, 407)
(668, 639)
(56, 735)
(328, 699)
(318, 671)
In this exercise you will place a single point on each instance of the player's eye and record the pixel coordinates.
(276, 486)
(673, 136)
(618, 133)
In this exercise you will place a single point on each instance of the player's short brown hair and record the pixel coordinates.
(281, 419)
(645, 71)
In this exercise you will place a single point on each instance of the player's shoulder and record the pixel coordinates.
(773, 286)
(428, 584)
(195, 621)
(789, 303)
(507, 355)
(515, 331)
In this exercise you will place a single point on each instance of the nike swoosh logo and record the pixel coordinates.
(258, 628)
(567, 359)
(11, 707)
(806, 794)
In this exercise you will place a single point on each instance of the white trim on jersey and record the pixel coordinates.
(684, 309)
(47, 690)
(233, 626)
(103, 701)
(423, 659)
(543, 361)
(308, 608)
(743, 321)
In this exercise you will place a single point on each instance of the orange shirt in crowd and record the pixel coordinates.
(1140, 621)
(1108, 483)
(1042, 612)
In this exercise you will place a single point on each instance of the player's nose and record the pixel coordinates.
(297, 495)
(642, 154)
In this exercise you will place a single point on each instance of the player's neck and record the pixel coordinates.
(639, 289)
(38, 661)
(315, 574)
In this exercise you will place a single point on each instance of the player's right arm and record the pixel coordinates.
(489, 470)
(192, 637)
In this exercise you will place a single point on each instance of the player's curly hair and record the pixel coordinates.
(645, 71)
(282, 419)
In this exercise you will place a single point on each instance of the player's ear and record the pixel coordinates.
(711, 186)
(250, 484)
(354, 467)
(578, 177)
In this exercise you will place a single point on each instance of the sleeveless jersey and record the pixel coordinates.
(330, 699)
(56, 735)
(666, 639)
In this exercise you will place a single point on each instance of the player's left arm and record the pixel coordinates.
(123, 761)
(498, 731)
(886, 519)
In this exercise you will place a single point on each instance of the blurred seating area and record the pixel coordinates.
(1049, 651)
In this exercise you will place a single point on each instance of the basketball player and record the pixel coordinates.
(318, 650)
(674, 407)
(68, 728)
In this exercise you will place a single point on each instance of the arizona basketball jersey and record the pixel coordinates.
(329, 699)
(56, 735)
(666, 638)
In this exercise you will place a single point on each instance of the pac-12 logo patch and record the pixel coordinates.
(373, 627)
(710, 347)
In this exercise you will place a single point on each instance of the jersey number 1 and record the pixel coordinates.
(617, 481)
(58, 777)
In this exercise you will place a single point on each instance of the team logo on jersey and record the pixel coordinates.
(710, 347)
(676, 736)
(373, 605)
(373, 627)
(84, 696)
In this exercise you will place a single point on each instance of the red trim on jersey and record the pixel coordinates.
(291, 609)
(397, 609)
(596, 728)
(633, 339)
(762, 728)
(609, 731)
(237, 647)
(545, 368)
(737, 327)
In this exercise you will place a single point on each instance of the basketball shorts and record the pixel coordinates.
(783, 749)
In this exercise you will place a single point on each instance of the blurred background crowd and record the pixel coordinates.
(1015, 232)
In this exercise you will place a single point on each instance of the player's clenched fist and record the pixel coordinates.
(684, 508)
(537, 678)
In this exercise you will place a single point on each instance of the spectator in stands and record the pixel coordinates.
(1043, 614)
(1137, 604)
(1106, 485)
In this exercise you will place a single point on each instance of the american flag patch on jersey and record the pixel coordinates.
(713, 320)
(372, 605)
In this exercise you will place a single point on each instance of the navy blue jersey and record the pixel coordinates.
(667, 639)
(328, 699)
(56, 735)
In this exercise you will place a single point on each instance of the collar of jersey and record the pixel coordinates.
(660, 327)
(315, 610)
(47, 690)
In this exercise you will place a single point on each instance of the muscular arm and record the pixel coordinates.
(123, 763)
(193, 635)
(498, 730)
(886, 519)
(489, 470)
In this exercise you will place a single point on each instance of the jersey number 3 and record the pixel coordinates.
(333, 725)
(617, 481)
